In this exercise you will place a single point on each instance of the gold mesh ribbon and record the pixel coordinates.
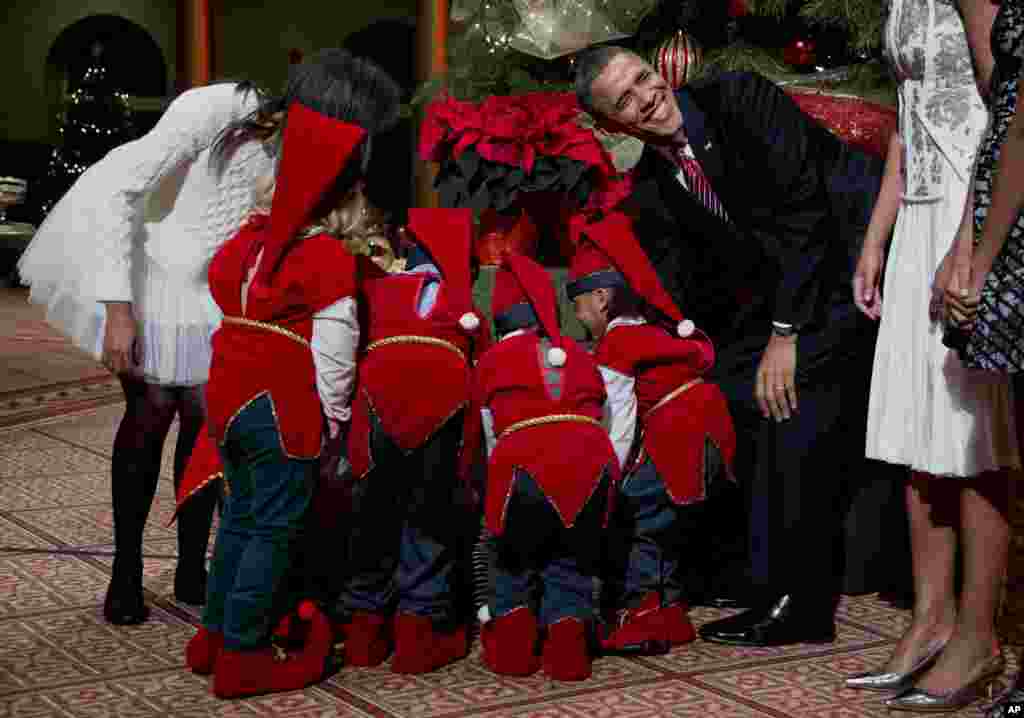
(673, 394)
(549, 419)
(415, 339)
(267, 326)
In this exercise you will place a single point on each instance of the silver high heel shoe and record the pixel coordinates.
(921, 701)
(892, 681)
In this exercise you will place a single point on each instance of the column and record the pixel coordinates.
(194, 42)
(431, 62)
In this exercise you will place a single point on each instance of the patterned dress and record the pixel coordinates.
(926, 410)
(997, 342)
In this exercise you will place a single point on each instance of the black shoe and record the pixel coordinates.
(190, 585)
(777, 624)
(124, 604)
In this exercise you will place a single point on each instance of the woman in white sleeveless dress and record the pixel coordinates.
(120, 263)
(953, 428)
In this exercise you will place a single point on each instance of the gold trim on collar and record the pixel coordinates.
(267, 326)
(549, 419)
(673, 394)
(415, 339)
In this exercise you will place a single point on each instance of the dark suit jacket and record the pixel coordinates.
(799, 201)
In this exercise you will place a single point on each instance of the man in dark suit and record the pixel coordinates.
(753, 216)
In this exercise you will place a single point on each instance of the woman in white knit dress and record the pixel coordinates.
(952, 427)
(120, 262)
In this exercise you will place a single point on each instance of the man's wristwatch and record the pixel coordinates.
(781, 329)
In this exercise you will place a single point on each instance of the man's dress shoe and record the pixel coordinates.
(776, 624)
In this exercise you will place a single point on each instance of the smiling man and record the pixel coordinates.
(753, 215)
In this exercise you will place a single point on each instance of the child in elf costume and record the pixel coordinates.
(422, 334)
(282, 360)
(671, 429)
(551, 472)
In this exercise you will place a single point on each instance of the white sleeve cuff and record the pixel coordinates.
(620, 411)
(334, 343)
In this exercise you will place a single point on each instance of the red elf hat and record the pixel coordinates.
(314, 151)
(521, 281)
(447, 236)
(609, 255)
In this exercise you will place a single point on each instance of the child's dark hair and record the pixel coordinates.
(624, 302)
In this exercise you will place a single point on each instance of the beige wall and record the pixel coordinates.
(251, 40)
(27, 32)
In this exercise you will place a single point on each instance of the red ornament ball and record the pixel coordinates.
(799, 53)
(678, 59)
(738, 8)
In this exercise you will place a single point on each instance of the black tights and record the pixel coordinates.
(138, 448)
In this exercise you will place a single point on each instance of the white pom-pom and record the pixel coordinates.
(557, 356)
(469, 322)
(685, 328)
(483, 614)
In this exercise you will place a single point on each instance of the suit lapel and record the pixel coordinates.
(703, 142)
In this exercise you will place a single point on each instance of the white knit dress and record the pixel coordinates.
(141, 225)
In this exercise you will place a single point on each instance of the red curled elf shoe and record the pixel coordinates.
(650, 629)
(566, 656)
(290, 631)
(271, 670)
(419, 648)
(368, 640)
(510, 643)
(203, 650)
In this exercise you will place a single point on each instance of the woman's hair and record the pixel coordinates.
(341, 86)
(335, 83)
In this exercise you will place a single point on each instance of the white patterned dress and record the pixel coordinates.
(926, 410)
(141, 225)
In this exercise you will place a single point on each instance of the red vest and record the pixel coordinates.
(674, 431)
(249, 361)
(565, 458)
(412, 387)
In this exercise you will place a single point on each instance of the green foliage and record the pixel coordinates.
(862, 18)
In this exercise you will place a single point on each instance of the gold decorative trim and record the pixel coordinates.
(430, 435)
(549, 419)
(673, 394)
(415, 339)
(277, 424)
(267, 326)
(209, 480)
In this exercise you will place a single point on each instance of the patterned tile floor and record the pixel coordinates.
(59, 658)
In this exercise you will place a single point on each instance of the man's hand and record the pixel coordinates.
(119, 338)
(866, 294)
(776, 379)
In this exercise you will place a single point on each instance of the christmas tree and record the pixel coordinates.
(502, 47)
(94, 119)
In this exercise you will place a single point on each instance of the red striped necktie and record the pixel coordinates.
(699, 185)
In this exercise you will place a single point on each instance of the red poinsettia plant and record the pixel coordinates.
(490, 152)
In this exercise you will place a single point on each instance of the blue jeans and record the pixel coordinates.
(261, 523)
(407, 526)
(539, 563)
(647, 537)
